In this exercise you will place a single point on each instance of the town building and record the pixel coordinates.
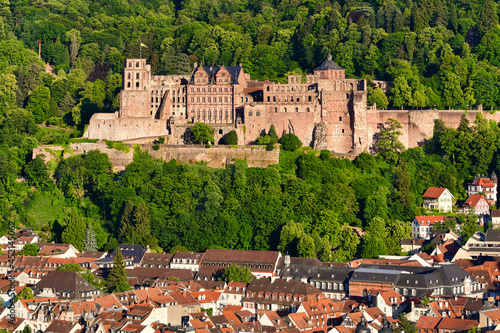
(488, 187)
(476, 204)
(422, 226)
(480, 245)
(438, 198)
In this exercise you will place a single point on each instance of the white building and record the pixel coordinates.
(438, 198)
(484, 186)
(421, 226)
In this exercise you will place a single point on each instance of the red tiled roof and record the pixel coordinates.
(484, 182)
(434, 192)
(427, 322)
(429, 220)
(474, 199)
(457, 324)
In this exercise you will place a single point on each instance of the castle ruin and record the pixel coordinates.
(325, 110)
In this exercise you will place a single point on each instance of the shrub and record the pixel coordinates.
(290, 142)
(231, 138)
(156, 146)
(270, 147)
(264, 140)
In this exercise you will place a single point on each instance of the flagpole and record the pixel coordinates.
(140, 48)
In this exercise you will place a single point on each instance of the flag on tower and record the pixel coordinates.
(143, 45)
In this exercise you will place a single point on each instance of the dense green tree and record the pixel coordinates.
(37, 172)
(74, 231)
(238, 274)
(29, 250)
(117, 278)
(70, 268)
(39, 103)
(202, 133)
(388, 143)
(290, 142)
(232, 138)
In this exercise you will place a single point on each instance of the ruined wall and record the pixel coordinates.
(418, 125)
(107, 126)
(216, 157)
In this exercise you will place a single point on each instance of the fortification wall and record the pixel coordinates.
(107, 126)
(216, 157)
(418, 125)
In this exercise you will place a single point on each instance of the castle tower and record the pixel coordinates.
(136, 93)
(329, 70)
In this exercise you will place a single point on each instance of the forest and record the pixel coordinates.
(437, 54)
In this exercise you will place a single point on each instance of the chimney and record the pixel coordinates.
(287, 260)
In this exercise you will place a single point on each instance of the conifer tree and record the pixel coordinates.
(488, 18)
(142, 225)
(74, 232)
(90, 243)
(124, 234)
(273, 135)
(117, 279)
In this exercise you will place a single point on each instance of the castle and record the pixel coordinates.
(325, 110)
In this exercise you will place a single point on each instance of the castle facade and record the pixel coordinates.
(325, 109)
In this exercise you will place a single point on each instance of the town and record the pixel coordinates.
(444, 283)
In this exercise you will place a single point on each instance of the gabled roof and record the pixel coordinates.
(434, 192)
(234, 72)
(427, 323)
(60, 326)
(65, 281)
(474, 199)
(428, 220)
(457, 324)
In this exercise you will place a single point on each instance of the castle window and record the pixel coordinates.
(128, 84)
(310, 98)
(246, 99)
(242, 100)
(137, 84)
(129, 64)
(129, 76)
(192, 89)
(296, 109)
(209, 89)
(275, 110)
(220, 132)
(298, 99)
(285, 109)
(267, 88)
(274, 98)
(250, 113)
(342, 131)
(137, 64)
(137, 75)
(340, 118)
(268, 98)
(308, 110)
(257, 114)
(225, 89)
(291, 98)
(152, 99)
(347, 96)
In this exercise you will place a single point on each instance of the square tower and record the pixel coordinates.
(136, 92)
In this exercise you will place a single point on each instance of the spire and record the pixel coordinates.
(329, 57)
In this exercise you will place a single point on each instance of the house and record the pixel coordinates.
(422, 226)
(412, 245)
(476, 204)
(15, 326)
(157, 260)
(62, 326)
(390, 302)
(480, 245)
(438, 198)
(324, 312)
(452, 325)
(57, 250)
(65, 285)
(486, 186)
(186, 260)
(278, 295)
(233, 293)
(428, 324)
(489, 319)
(412, 281)
(260, 263)
(495, 218)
